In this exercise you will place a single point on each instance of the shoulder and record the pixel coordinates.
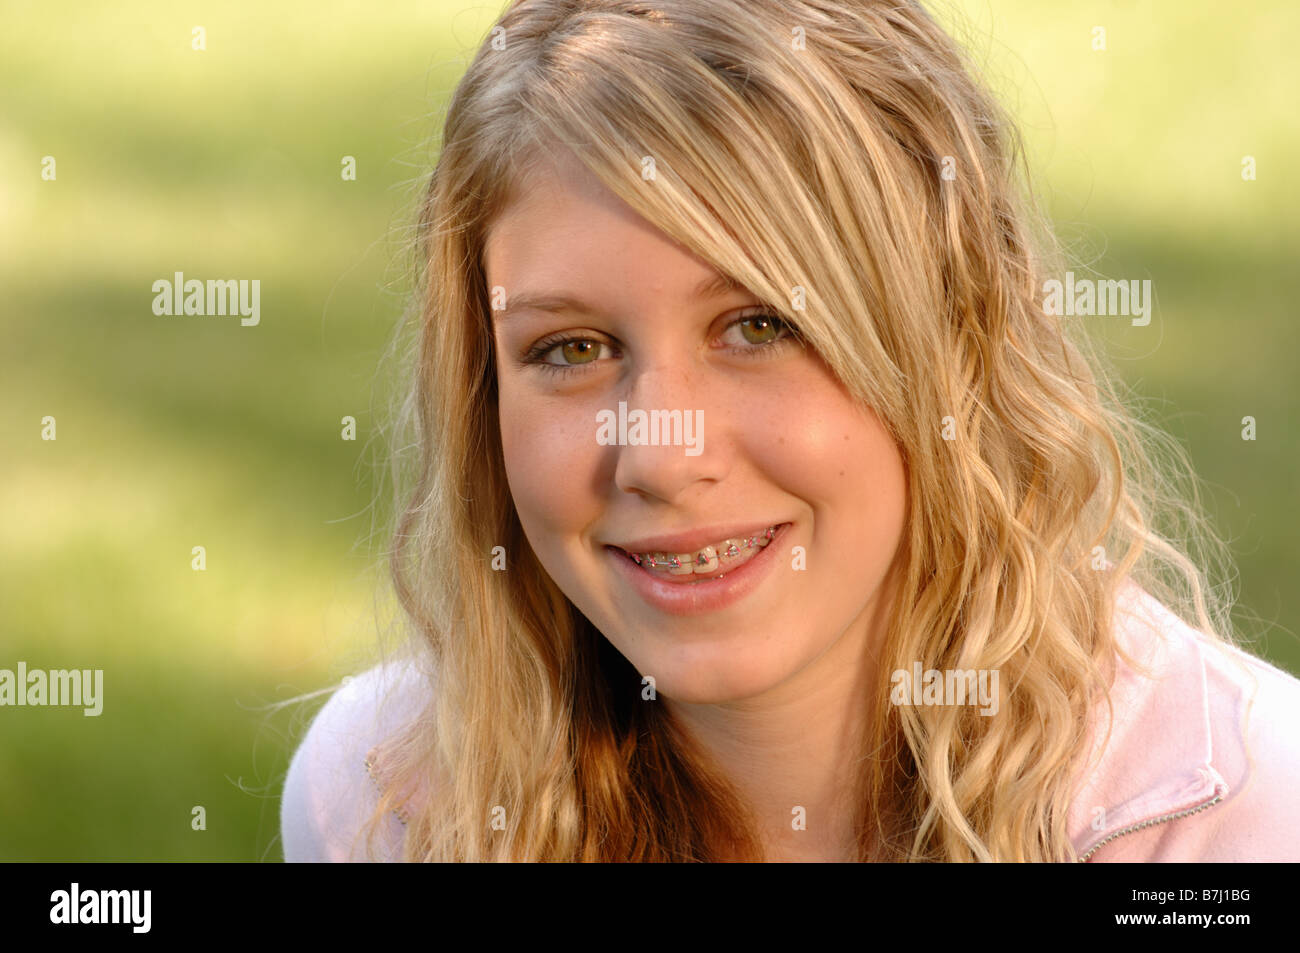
(329, 792)
(1201, 762)
(1254, 712)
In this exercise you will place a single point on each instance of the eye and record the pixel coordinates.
(759, 332)
(572, 353)
(576, 351)
(759, 329)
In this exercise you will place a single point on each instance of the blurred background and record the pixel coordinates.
(176, 432)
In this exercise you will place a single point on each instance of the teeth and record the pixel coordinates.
(707, 559)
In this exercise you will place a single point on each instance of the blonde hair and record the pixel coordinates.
(816, 165)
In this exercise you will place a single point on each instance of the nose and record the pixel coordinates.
(669, 440)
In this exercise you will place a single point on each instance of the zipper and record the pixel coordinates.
(370, 770)
(1150, 823)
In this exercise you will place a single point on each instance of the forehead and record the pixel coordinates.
(562, 224)
(554, 203)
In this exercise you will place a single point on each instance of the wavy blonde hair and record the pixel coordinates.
(868, 167)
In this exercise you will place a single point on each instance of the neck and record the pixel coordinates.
(794, 751)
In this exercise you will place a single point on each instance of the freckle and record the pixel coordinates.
(841, 473)
(780, 439)
(846, 436)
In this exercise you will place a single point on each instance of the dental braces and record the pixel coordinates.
(674, 561)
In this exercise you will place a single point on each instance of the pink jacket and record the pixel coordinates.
(1203, 761)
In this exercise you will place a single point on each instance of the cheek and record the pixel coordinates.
(837, 457)
(550, 458)
(873, 487)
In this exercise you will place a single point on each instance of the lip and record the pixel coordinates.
(698, 597)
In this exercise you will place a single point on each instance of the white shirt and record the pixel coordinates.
(329, 793)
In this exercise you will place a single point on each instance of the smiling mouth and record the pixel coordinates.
(711, 562)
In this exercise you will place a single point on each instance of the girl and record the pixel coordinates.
(764, 510)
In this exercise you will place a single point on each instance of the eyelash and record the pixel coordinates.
(549, 344)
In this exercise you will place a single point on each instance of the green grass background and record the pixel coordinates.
(176, 432)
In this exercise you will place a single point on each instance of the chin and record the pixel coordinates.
(715, 679)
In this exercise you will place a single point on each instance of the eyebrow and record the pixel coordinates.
(715, 286)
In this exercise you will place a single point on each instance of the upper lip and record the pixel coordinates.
(695, 539)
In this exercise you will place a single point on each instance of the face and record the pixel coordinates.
(744, 434)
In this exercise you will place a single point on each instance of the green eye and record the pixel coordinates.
(760, 329)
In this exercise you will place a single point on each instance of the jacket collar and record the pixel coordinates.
(1159, 760)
